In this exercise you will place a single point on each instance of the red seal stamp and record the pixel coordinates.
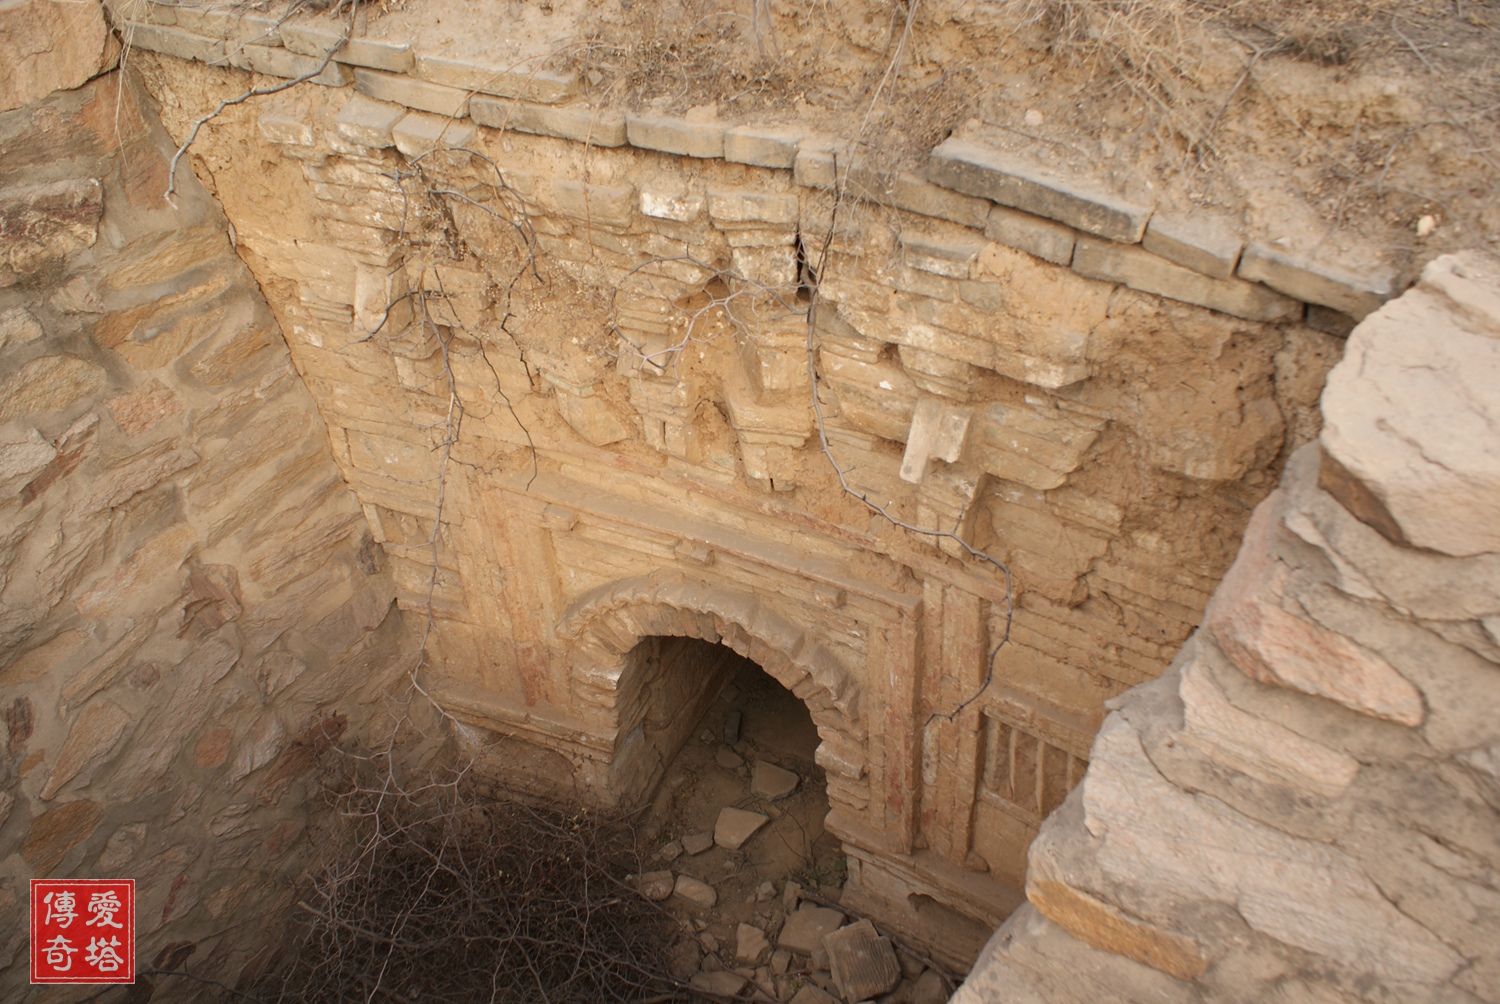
(83, 930)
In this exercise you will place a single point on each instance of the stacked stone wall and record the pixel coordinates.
(1306, 806)
(191, 608)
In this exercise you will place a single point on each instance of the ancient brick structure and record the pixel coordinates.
(958, 455)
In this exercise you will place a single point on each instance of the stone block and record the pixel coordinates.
(173, 42)
(231, 23)
(417, 94)
(1329, 321)
(42, 225)
(56, 832)
(261, 745)
(1315, 282)
(18, 327)
(1254, 746)
(369, 122)
(863, 963)
(1044, 239)
(774, 267)
(605, 205)
(735, 826)
(90, 742)
(48, 384)
(1142, 270)
(286, 130)
(418, 133)
(581, 124)
(50, 46)
(316, 40)
(23, 453)
(953, 258)
(1036, 444)
(938, 431)
(1434, 467)
(679, 208)
(992, 174)
(592, 417)
(921, 283)
(722, 984)
(736, 208)
(695, 891)
(1187, 848)
(770, 781)
(763, 146)
(535, 83)
(815, 167)
(1203, 245)
(275, 61)
(938, 373)
(917, 195)
(750, 944)
(1270, 645)
(674, 135)
(804, 930)
(656, 886)
(758, 237)
(811, 993)
(1097, 923)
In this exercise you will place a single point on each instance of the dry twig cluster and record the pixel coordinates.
(437, 897)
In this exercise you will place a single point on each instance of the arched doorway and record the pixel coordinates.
(746, 743)
(628, 641)
(734, 743)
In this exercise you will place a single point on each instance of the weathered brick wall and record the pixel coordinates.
(1306, 806)
(190, 604)
(569, 348)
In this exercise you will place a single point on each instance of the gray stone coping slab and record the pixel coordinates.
(1314, 281)
(317, 40)
(412, 93)
(536, 84)
(992, 174)
(579, 123)
(1142, 270)
(673, 135)
(1202, 244)
(1016, 204)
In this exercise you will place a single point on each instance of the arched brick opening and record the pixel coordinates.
(609, 666)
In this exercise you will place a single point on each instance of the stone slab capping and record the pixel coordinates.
(990, 174)
(1200, 259)
(593, 126)
(762, 146)
(415, 94)
(536, 84)
(1142, 270)
(1201, 244)
(311, 40)
(671, 135)
(275, 61)
(1315, 282)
